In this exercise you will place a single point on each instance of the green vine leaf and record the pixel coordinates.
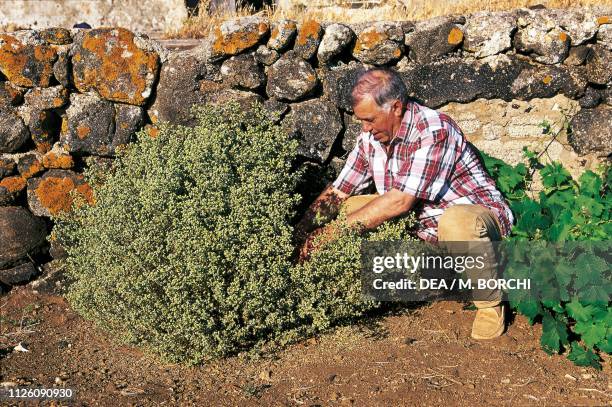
(583, 357)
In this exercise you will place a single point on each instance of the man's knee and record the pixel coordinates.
(468, 222)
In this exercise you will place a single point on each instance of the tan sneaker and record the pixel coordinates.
(489, 323)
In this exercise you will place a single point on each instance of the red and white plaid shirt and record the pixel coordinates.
(430, 159)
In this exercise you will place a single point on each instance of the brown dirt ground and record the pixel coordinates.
(418, 357)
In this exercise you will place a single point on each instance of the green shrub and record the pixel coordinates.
(188, 248)
(573, 282)
(328, 286)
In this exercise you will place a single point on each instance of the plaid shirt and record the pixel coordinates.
(430, 159)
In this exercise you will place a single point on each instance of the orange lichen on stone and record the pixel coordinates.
(83, 132)
(368, 40)
(119, 95)
(563, 37)
(309, 30)
(13, 92)
(120, 71)
(86, 192)
(52, 160)
(397, 53)
(603, 20)
(235, 42)
(13, 184)
(274, 34)
(57, 36)
(34, 168)
(547, 79)
(152, 131)
(26, 65)
(54, 193)
(43, 147)
(455, 36)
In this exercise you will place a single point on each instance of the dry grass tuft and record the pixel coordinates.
(392, 10)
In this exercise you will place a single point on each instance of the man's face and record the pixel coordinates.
(381, 121)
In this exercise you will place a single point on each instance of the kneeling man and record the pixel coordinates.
(419, 160)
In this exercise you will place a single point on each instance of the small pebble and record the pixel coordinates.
(570, 377)
(505, 381)
(266, 375)
(587, 376)
(20, 348)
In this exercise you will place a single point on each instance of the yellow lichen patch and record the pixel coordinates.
(603, 20)
(34, 168)
(154, 118)
(563, 37)
(64, 128)
(122, 72)
(309, 30)
(13, 184)
(52, 160)
(83, 132)
(547, 79)
(455, 36)
(369, 40)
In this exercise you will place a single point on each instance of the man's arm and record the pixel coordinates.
(393, 203)
(327, 205)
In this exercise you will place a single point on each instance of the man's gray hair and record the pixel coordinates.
(384, 85)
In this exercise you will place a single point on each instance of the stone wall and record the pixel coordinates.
(69, 99)
(140, 15)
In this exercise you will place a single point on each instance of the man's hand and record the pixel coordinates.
(326, 206)
(388, 206)
(323, 236)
